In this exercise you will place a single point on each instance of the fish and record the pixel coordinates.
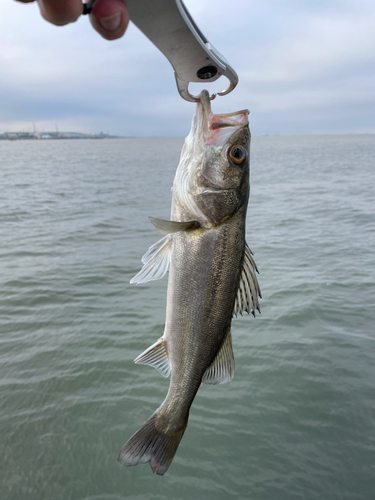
(212, 276)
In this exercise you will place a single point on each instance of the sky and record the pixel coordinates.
(305, 67)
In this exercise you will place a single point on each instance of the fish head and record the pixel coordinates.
(212, 179)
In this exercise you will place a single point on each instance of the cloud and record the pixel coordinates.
(304, 67)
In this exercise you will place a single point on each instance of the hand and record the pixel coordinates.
(110, 18)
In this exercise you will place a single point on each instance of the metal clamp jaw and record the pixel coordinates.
(170, 27)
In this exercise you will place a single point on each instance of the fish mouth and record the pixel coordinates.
(215, 130)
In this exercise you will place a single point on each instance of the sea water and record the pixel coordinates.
(297, 421)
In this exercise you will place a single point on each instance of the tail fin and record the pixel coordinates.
(149, 444)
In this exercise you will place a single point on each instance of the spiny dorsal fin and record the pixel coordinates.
(248, 290)
(155, 261)
(171, 226)
(221, 369)
(156, 356)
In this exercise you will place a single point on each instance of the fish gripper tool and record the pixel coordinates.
(170, 27)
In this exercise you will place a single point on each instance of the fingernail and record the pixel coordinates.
(111, 23)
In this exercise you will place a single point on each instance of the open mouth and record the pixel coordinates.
(215, 130)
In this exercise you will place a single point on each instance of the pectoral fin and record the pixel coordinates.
(248, 290)
(221, 369)
(171, 226)
(156, 356)
(155, 261)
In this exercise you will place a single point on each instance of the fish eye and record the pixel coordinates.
(237, 154)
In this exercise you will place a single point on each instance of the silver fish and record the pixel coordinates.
(212, 276)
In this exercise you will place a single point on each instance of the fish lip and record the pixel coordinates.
(205, 102)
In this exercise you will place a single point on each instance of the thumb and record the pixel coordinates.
(110, 18)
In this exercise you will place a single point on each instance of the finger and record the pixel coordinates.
(110, 18)
(60, 12)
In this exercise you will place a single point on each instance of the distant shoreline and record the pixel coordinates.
(21, 136)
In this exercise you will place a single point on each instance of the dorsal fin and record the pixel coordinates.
(221, 369)
(248, 289)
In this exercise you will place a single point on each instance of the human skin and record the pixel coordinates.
(109, 18)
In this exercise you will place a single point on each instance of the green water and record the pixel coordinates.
(297, 421)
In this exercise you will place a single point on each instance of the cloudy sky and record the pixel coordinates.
(305, 66)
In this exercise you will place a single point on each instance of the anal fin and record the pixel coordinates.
(221, 369)
(156, 356)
